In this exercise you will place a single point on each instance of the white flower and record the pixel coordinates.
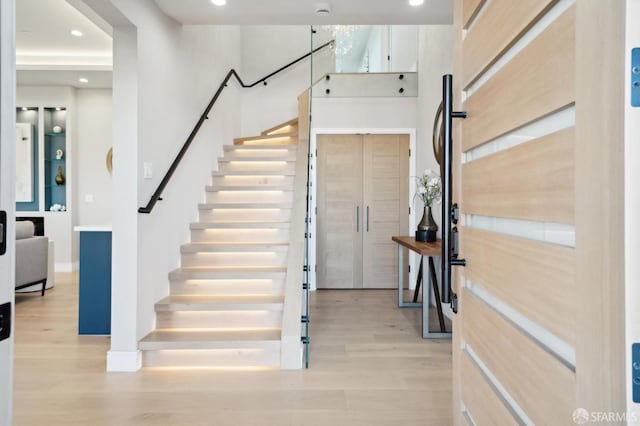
(429, 187)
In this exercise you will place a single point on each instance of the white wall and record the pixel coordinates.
(264, 50)
(58, 225)
(177, 71)
(94, 134)
(632, 207)
(404, 47)
(435, 59)
(124, 355)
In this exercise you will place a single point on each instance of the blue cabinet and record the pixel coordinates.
(94, 316)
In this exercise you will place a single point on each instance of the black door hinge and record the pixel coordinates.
(454, 303)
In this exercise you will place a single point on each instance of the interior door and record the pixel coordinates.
(362, 199)
(385, 189)
(538, 163)
(339, 201)
(7, 200)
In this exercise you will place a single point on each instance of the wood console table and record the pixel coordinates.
(423, 249)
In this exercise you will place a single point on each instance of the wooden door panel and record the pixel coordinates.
(470, 9)
(542, 318)
(480, 399)
(533, 181)
(537, 81)
(535, 278)
(539, 383)
(386, 186)
(495, 30)
(339, 243)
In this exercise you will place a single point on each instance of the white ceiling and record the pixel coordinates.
(47, 53)
(97, 79)
(301, 12)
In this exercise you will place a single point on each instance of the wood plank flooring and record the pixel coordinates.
(369, 366)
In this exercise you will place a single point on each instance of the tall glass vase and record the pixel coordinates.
(427, 228)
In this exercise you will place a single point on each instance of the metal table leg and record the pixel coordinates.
(401, 302)
(426, 297)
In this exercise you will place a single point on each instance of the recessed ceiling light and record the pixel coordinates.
(416, 2)
(83, 80)
(219, 2)
(76, 33)
(24, 109)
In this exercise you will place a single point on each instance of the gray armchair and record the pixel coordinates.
(31, 257)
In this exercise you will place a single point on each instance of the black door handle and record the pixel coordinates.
(5, 321)
(3, 233)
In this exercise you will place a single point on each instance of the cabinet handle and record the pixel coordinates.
(357, 218)
(367, 218)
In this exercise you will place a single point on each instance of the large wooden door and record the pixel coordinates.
(362, 200)
(340, 227)
(385, 188)
(539, 334)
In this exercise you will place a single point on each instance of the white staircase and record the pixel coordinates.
(226, 301)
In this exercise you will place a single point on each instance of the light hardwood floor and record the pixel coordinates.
(368, 367)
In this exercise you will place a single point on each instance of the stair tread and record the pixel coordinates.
(183, 303)
(260, 147)
(247, 205)
(234, 271)
(240, 225)
(178, 335)
(249, 173)
(218, 188)
(221, 300)
(256, 160)
(233, 246)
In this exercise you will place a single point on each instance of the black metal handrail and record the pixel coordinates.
(157, 195)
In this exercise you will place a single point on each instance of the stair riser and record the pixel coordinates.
(235, 259)
(257, 180)
(251, 153)
(256, 166)
(219, 319)
(265, 287)
(240, 235)
(264, 355)
(250, 215)
(250, 197)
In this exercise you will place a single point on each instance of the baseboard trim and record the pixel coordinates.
(124, 362)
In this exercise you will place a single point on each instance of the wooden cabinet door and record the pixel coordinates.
(385, 189)
(339, 201)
